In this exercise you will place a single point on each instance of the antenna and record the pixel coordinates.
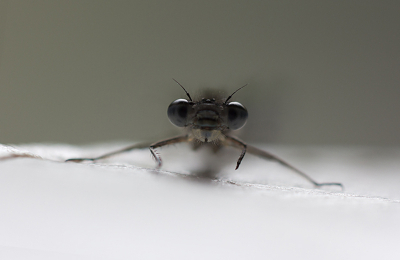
(234, 93)
(187, 93)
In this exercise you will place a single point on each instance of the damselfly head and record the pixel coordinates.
(208, 114)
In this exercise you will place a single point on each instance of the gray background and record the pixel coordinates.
(319, 72)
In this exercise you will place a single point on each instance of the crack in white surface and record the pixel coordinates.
(298, 190)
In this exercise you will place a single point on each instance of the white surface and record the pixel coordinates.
(115, 210)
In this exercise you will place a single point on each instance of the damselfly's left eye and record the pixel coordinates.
(237, 115)
(178, 112)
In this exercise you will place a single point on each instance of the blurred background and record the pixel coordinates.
(319, 73)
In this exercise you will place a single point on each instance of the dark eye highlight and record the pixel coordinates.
(232, 114)
(178, 112)
(237, 115)
(182, 111)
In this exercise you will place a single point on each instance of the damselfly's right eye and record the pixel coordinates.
(178, 112)
(237, 115)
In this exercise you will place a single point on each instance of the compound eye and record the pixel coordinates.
(178, 112)
(237, 115)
